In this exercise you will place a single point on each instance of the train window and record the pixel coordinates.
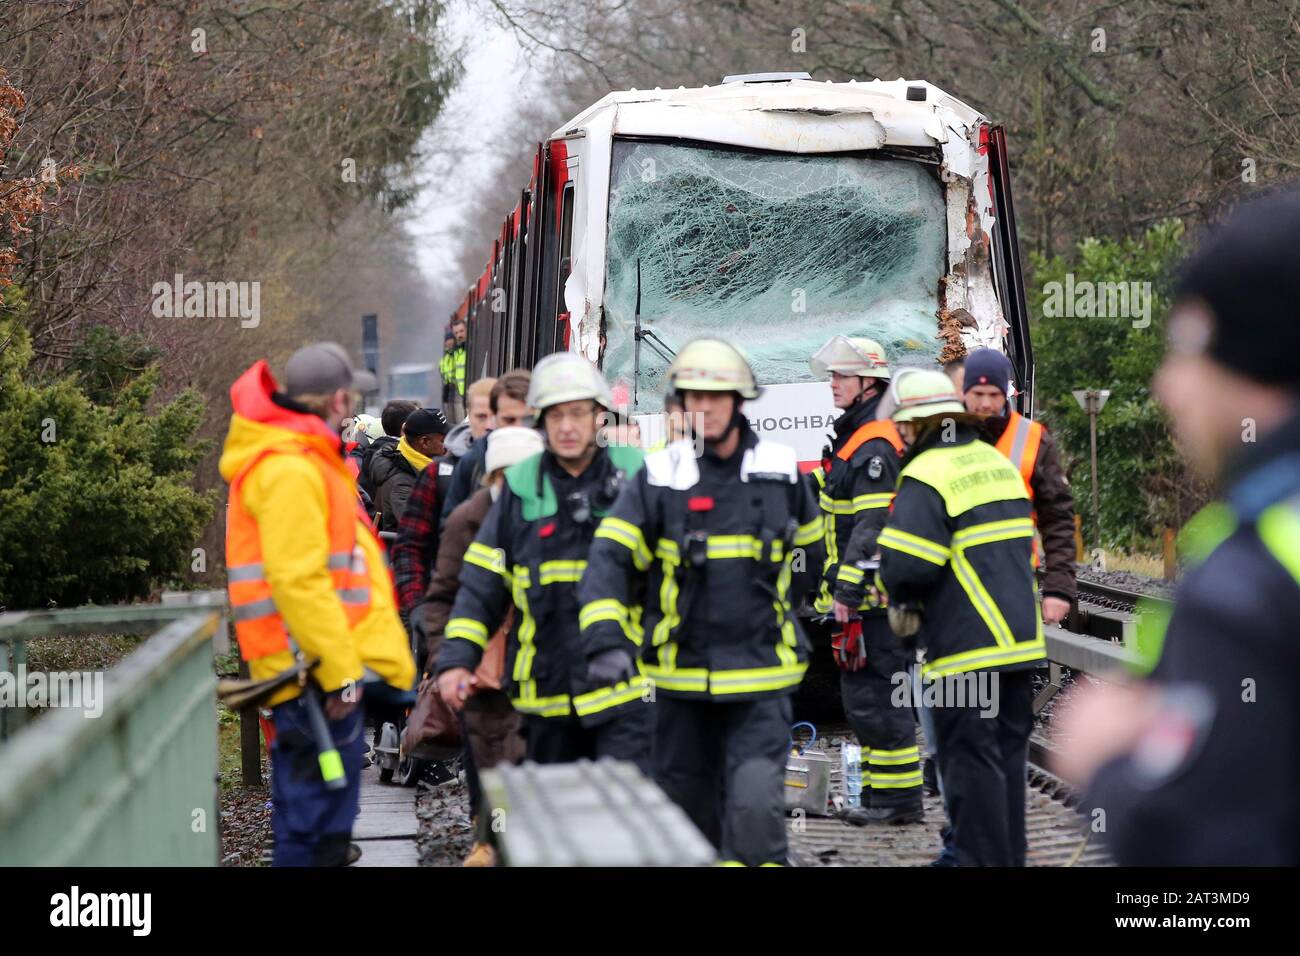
(566, 259)
(771, 251)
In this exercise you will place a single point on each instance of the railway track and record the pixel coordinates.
(1057, 835)
(1115, 598)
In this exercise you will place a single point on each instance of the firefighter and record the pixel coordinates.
(1197, 764)
(306, 574)
(1029, 445)
(857, 478)
(956, 565)
(532, 549)
(447, 368)
(720, 548)
(460, 357)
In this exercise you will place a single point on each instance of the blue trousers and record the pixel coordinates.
(312, 825)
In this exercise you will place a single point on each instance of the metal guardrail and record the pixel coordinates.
(135, 785)
(1080, 652)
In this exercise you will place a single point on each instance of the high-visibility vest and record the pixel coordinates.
(1019, 442)
(460, 370)
(259, 626)
(1278, 530)
(877, 428)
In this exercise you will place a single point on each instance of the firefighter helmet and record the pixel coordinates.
(924, 393)
(567, 377)
(850, 356)
(712, 365)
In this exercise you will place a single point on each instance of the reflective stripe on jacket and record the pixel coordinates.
(700, 567)
(857, 484)
(300, 555)
(959, 543)
(530, 552)
(1019, 442)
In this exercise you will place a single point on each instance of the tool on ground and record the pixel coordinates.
(807, 775)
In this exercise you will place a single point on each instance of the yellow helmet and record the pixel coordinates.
(924, 393)
(850, 356)
(712, 365)
(567, 377)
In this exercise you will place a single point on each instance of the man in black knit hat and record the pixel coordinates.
(1196, 764)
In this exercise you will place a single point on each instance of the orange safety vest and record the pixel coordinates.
(1019, 442)
(877, 428)
(258, 625)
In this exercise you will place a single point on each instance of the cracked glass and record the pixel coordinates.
(773, 252)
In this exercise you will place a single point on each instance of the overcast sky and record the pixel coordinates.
(496, 85)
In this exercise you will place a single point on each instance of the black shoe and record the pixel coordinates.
(864, 816)
(930, 777)
(354, 854)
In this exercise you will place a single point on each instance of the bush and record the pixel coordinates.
(1143, 484)
(96, 496)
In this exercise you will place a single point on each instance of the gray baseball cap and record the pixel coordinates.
(323, 368)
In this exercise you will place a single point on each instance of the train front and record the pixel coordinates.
(775, 213)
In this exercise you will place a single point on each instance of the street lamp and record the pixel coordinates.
(1091, 400)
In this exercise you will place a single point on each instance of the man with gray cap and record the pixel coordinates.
(1196, 765)
(302, 560)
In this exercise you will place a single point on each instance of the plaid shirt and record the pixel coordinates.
(417, 540)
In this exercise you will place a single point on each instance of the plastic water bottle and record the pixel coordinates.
(851, 765)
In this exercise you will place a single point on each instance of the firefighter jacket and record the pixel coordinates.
(531, 550)
(1212, 781)
(959, 542)
(720, 552)
(1031, 449)
(855, 487)
(300, 556)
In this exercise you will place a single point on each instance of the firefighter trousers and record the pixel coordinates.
(724, 764)
(624, 736)
(877, 702)
(983, 762)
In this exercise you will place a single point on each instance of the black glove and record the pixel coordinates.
(609, 667)
(419, 636)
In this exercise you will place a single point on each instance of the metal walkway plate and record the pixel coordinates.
(588, 814)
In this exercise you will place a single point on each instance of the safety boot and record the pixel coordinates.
(864, 816)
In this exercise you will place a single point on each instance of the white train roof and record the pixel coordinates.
(789, 115)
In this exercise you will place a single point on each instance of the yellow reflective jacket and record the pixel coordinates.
(286, 494)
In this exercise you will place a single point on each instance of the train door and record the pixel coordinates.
(1007, 274)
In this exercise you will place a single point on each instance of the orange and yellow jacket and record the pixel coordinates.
(301, 556)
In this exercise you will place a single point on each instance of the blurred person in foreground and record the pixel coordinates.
(1196, 764)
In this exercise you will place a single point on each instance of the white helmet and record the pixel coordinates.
(712, 365)
(567, 377)
(850, 356)
(511, 445)
(919, 393)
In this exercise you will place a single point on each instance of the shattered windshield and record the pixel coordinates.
(773, 252)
